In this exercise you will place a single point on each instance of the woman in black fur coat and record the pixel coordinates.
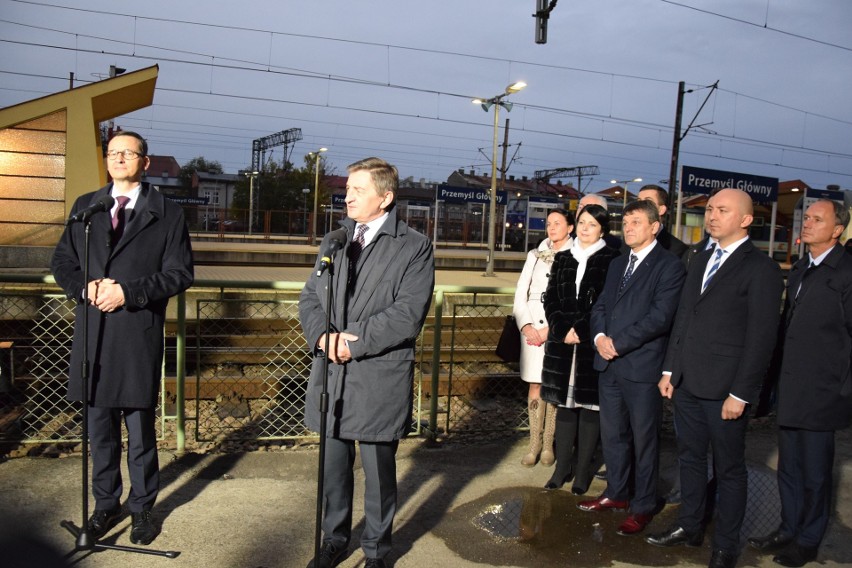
(568, 378)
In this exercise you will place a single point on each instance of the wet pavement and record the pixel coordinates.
(460, 505)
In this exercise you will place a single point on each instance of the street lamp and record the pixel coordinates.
(251, 176)
(305, 192)
(486, 104)
(316, 156)
(625, 182)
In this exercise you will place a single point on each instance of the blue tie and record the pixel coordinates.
(716, 263)
(629, 272)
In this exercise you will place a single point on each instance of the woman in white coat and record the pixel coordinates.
(529, 315)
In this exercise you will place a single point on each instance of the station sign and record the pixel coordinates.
(451, 194)
(704, 181)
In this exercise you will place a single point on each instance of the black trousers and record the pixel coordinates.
(700, 427)
(142, 462)
(378, 460)
(805, 462)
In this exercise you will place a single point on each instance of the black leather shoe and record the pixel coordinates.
(722, 559)
(102, 520)
(331, 555)
(796, 555)
(674, 536)
(771, 542)
(601, 474)
(142, 529)
(375, 563)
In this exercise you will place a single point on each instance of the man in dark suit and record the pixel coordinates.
(718, 352)
(660, 197)
(138, 260)
(630, 323)
(815, 385)
(382, 294)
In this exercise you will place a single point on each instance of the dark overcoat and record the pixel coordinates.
(566, 309)
(371, 396)
(151, 262)
(815, 384)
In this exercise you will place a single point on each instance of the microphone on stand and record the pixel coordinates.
(336, 241)
(105, 203)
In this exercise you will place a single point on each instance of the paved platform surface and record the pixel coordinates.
(461, 505)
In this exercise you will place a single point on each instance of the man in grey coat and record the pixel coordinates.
(137, 261)
(382, 280)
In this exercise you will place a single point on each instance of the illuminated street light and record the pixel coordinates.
(486, 104)
(316, 155)
(625, 182)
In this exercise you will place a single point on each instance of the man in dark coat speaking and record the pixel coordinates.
(383, 280)
(139, 256)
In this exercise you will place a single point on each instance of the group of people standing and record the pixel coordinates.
(610, 329)
(607, 334)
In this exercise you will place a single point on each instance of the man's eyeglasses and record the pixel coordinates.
(127, 154)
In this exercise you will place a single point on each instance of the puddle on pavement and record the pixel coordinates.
(533, 527)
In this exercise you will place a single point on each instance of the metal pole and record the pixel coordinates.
(492, 209)
(673, 179)
(503, 169)
(251, 203)
(316, 198)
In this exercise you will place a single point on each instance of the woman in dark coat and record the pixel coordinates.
(568, 378)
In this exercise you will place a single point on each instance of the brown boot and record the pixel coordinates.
(547, 456)
(536, 409)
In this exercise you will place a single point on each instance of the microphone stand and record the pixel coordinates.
(84, 539)
(323, 416)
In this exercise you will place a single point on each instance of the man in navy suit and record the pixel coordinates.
(720, 346)
(630, 323)
(815, 385)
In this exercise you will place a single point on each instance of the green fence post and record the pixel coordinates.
(436, 364)
(181, 373)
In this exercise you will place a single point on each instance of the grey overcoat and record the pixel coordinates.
(370, 397)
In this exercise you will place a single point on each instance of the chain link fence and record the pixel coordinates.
(249, 365)
(251, 371)
(39, 326)
(482, 392)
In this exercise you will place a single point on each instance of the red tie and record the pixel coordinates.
(118, 220)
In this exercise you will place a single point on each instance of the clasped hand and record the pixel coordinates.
(338, 348)
(105, 294)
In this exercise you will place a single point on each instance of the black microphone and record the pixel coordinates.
(336, 241)
(105, 203)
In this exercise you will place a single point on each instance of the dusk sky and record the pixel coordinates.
(395, 79)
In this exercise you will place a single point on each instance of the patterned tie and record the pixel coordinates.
(355, 249)
(717, 261)
(629, 273)
(118, 219)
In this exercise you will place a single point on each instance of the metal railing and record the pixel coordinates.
(237, 366)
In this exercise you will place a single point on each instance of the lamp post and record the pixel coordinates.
(305, 192)
(251, 176)
(316, 156)
(486, 104)
(625, 182)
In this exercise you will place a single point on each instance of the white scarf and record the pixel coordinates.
(581, 255)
